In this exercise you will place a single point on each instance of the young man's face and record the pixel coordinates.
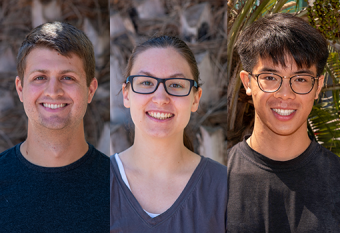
(282, 112)
(54, 90)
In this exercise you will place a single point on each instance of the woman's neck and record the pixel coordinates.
(158, 155)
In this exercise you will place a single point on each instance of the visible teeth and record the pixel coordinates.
(160, 116)
(283, 112)
(54, 106)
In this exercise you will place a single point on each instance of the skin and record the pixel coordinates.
(287, 134)
(158, 165)
(55, 137)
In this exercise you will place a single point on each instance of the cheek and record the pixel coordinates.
(309, 100)
(31, 93)
(184, 105)
(137, 105)
(259, 99)
(78, 94)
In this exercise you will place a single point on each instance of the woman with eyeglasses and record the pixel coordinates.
(159, 184)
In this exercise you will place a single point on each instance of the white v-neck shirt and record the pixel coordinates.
(124, 178)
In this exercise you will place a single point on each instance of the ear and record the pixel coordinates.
(320, 85)
(244, 75)
(19, 87)
(197, 97)
(126, 98)
(92, 89)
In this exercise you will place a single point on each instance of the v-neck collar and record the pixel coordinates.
(185, 194)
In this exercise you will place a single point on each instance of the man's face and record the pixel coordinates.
(282, 112)
(54, 90)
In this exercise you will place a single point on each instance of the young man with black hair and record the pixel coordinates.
(279, 179)
(55, 181)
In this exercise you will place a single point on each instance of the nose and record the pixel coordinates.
(160, 96)
(54, 88)
(285, 92)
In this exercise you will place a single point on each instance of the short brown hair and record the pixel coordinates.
(62, 37)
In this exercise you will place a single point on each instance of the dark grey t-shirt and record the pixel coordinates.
(300, 195)
(200, 208)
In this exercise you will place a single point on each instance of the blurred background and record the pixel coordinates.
(211, 28)
(17, 18)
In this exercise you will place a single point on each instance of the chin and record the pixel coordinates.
(55, 124)
(284, 131)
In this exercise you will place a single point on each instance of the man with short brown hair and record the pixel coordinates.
(55, 181)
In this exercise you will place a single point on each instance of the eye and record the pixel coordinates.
(176, 85)
(67, 78)
(300, 80)
(303, 79)
(269, 78)
(147, 83)
(39, 78)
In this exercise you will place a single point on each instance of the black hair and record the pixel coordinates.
(278, 35)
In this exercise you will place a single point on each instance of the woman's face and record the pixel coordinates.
(160, 114)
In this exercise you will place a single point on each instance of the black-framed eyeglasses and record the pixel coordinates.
(144, 84)
(300, 84)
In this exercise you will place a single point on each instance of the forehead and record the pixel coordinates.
(161, 62)
(290, 66)
(47, 59)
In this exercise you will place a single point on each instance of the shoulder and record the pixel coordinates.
(236, 151)
(213, 180)
(98, 160)
(327, 155)
(9, 152)
(213, 168)
(99, 155)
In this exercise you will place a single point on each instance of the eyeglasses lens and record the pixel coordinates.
(147, 85)
(300, 84)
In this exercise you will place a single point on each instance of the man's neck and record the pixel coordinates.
(279, 147)
(54, 148)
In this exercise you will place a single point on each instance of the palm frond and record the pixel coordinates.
(324, 125)
(332, 76)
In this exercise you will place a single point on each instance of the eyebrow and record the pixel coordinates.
(47, 71)
(267, 69)
(176, 75)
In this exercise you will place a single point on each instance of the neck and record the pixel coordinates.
(54, 148)
(159, 156)
(279, 147)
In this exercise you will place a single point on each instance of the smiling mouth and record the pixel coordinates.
(53, 106)
(160, 116)
(283, 112)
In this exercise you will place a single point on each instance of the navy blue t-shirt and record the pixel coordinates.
(72, 198)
